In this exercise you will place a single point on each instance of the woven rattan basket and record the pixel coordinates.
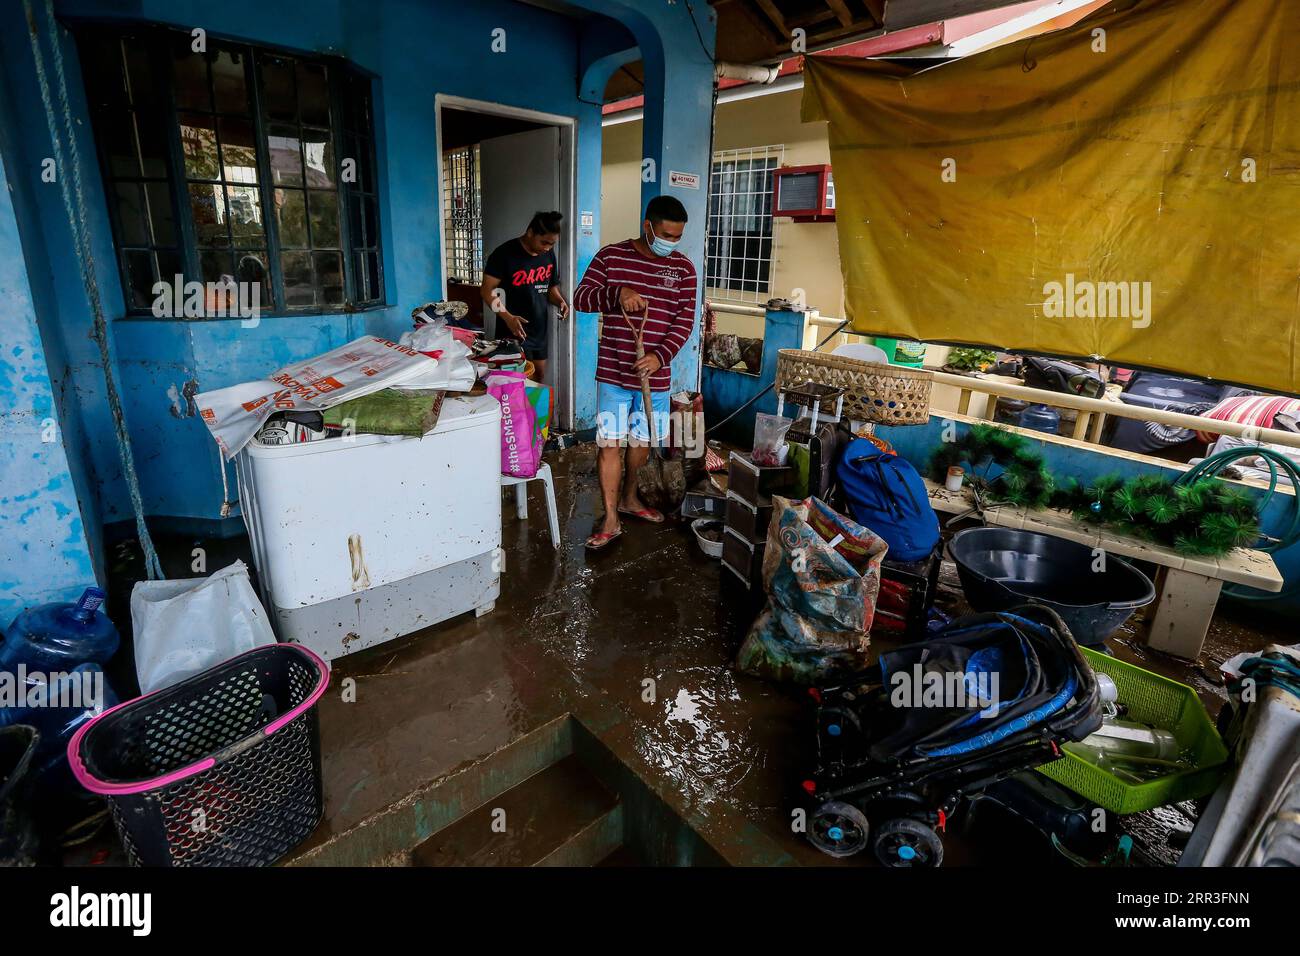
(884, 394)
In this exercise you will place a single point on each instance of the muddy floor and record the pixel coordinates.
(643, 624)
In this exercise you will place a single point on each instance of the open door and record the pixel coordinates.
(521, 175)
(520, 162)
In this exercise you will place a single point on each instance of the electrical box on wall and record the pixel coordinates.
(805, 193)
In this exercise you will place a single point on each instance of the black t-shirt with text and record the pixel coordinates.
(526, 281)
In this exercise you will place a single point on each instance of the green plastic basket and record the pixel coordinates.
(1163, 703)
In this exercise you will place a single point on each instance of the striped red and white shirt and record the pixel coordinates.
(1257, 410)
(667, 283)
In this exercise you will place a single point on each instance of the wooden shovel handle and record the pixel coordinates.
(638, 334)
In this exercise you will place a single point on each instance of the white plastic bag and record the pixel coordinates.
(184, 627)
(454, 371)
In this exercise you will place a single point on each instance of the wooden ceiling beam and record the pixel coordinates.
(760, 23)
(841, 12)
(774, 15)
(814, 19)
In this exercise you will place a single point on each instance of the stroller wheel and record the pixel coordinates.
(838, 829)
(907, 842)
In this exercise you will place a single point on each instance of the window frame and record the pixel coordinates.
(156, 40)
(735, 288)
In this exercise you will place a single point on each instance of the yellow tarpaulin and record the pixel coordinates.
(1127, 189)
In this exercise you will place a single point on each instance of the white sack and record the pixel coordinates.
(184, 627)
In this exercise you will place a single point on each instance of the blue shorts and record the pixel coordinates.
(619, 410)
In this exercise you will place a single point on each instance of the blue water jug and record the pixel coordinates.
(1041, 418)
(58, 706)
(71, 699)
(60, 636)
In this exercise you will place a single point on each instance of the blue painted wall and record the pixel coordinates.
(41, 526)
(726, 390)
(407, 45)
(415, 49)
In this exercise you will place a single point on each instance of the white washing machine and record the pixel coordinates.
(360, 540)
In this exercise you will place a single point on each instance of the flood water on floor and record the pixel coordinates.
(640, 624)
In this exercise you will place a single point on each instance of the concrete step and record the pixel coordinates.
(561, 816)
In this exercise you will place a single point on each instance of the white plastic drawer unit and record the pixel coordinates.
(348, 519)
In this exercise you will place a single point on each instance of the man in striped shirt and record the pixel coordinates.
(653, 285)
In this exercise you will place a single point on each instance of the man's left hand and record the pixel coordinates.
(648, 365)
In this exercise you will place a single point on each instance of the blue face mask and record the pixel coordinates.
(659, 246)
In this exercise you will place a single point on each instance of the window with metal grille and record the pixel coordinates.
(235, 162)
(462, 215)
(738, 260)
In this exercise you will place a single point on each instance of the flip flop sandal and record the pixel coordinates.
(602, 540)
(645, 514)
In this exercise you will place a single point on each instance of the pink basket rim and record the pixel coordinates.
(95, 785)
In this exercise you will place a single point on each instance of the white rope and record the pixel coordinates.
(226, 503)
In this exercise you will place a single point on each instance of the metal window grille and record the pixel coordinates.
(462, 205)
(738, 262)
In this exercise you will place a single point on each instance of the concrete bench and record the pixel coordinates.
(1187, 588)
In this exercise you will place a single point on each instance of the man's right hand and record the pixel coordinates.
(630, 300)
(515, 323)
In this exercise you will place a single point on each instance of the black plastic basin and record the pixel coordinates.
(1000, 568)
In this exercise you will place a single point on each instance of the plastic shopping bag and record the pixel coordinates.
(454, 371)
(184, 627)
(521, 448)
(540, 397)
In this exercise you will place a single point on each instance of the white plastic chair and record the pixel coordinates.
(863, 351)
(521, 498)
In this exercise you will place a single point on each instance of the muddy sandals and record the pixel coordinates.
(602, 539)
(645, 514)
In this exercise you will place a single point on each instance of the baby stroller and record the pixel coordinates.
(934, 722)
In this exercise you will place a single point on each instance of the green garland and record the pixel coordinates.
(1204, 517)
(1023, 479)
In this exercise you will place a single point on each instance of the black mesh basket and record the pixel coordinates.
(222, 769)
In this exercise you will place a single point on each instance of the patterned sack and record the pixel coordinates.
(821, 571)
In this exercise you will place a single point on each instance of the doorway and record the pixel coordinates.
(497, 165)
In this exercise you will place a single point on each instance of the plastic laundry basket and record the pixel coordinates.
(222, 769)
(1163, 703)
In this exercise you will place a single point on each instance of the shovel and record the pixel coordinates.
(661, 483)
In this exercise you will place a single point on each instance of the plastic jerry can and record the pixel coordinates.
(1041, 418)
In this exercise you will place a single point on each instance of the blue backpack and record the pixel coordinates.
(885, 493)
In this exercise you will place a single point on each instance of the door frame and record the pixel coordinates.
(565, 403)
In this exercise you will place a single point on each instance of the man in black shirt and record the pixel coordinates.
(520, 278)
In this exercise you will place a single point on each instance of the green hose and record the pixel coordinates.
(1210, 468)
